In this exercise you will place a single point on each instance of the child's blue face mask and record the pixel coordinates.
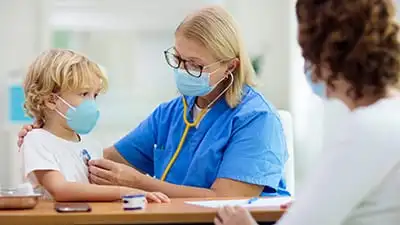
(83, 118)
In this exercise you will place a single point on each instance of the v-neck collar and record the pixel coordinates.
(215, 111)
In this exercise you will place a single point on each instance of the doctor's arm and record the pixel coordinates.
(130, 155)
(109, 172)
(112, 154)
(262, 157)
(148, 183)
(220, 188)
(256, 153)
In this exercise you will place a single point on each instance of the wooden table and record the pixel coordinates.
(111, 213)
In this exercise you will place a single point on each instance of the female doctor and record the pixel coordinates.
(220, 138)
(354, 53)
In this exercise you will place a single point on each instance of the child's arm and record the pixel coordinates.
(62, 190)
(41, 162)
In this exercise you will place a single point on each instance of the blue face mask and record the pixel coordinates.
(319, 88)
(192, 86)
(83, 118)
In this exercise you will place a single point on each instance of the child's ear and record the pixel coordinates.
(50, 102)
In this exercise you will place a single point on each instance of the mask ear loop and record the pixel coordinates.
(69, 105)
(65, 102)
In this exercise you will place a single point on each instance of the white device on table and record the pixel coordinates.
(134, 202)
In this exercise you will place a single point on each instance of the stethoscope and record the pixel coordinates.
(190, 125)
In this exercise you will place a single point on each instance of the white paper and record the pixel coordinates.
(262, 202)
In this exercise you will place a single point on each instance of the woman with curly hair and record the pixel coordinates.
(353, 52)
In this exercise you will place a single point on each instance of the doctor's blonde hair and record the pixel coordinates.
(56, 71)
(214, 28)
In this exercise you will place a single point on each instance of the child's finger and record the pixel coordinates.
(164, 198)
(153, 198)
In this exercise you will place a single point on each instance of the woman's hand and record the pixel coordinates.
(107, 172)
(24, 131)
(234, 216)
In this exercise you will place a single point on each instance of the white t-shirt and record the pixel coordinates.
(196, 112)
(44, 151)
(357, 178)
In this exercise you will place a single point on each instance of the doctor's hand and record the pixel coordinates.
(107, 172)
(24, 131)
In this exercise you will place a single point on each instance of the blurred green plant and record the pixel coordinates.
(61, 39)
(257, 64)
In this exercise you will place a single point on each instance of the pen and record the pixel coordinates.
(252, 200)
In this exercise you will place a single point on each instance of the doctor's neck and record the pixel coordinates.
(204, 101)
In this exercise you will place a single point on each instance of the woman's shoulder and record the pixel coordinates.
(372, 130)
(171, 104)
(253, 102)
(378, 120)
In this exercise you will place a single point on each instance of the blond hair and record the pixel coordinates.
(56, 71)
(215, 29)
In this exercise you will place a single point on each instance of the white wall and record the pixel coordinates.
(132, 36)
(23, 33)
(138, 84)
(270, 28)
(266, 30)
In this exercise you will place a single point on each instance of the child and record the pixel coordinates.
(60, 88)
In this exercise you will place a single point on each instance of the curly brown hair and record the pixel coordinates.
(357, 40)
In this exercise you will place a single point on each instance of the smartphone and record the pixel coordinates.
(72, 207)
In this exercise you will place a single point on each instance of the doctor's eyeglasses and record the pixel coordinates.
(176, 62)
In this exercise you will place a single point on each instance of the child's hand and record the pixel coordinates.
(157, 197)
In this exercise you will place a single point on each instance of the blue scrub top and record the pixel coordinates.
(245, 143)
